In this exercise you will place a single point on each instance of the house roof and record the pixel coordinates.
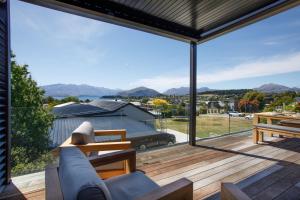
(108, 105)
(297, 99)
(87, 109)
(186, 20)
(62, 128)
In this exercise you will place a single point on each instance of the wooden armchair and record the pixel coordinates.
(179, 190)
(100, 147)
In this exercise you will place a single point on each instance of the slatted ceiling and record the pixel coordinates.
(186, 20)
(211, 20)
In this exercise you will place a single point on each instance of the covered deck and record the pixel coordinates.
(265, 171)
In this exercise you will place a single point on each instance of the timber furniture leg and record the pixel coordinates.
(255, 136)
(260, 136)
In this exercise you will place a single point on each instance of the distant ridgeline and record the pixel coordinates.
(226, 92)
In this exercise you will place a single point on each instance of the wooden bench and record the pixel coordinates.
(260, 129)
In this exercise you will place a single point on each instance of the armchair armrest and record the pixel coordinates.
(121, 132)
(90, 147)
(129, 155)
(230, 191)
(103, 146)
(181, 189)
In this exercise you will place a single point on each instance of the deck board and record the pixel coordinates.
(265, 171)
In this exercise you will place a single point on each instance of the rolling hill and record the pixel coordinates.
(275, 88)
(139, 92)
(184, 90)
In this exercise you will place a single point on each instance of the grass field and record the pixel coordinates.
(208, 126)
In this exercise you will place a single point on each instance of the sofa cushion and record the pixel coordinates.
(83, 134)
(78, 178)
(130, 186)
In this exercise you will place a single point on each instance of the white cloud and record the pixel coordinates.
(261, 67)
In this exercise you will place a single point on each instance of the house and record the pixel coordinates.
(103, 115)
(219, 107)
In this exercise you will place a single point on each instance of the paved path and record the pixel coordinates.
(180, 137)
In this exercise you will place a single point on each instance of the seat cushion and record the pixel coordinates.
(83, 134)
(78, 178)
(130, 186)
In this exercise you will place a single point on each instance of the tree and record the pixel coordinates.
(252, 101)
(30, 119)
(160, 102)
(285, 100)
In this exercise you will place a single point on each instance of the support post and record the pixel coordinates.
(193, 93)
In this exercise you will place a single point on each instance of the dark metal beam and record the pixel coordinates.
(193, 93)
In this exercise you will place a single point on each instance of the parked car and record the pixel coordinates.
(149, 141)
(249, 116)
(236, 114)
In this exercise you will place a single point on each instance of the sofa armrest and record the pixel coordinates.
(181, 189)
(121, 132)
(53, 190)
(128, 155)
(230, 191)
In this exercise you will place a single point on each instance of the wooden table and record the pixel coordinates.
(271, 117)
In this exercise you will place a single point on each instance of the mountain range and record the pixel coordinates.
(63, 90)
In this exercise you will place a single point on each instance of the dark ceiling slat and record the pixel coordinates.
(147, 4)
(201, 7)
(174, 6)
(215, 14)
(156, 6)
(217, 20)
(150, 5)
(162, 8)
(181, 11)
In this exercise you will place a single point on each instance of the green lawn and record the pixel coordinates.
(208, 126)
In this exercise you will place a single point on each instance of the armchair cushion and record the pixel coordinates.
(83, 134)
(130, 186)
(78, 178)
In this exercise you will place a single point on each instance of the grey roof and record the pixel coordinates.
(186, 20)
(94, 107)
(63, 127)
(108, 105)
(297, 99)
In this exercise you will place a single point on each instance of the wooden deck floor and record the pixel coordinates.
(264, 171)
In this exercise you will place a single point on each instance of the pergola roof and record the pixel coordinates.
(185, 20)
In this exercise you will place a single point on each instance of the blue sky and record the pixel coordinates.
(64, 48)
